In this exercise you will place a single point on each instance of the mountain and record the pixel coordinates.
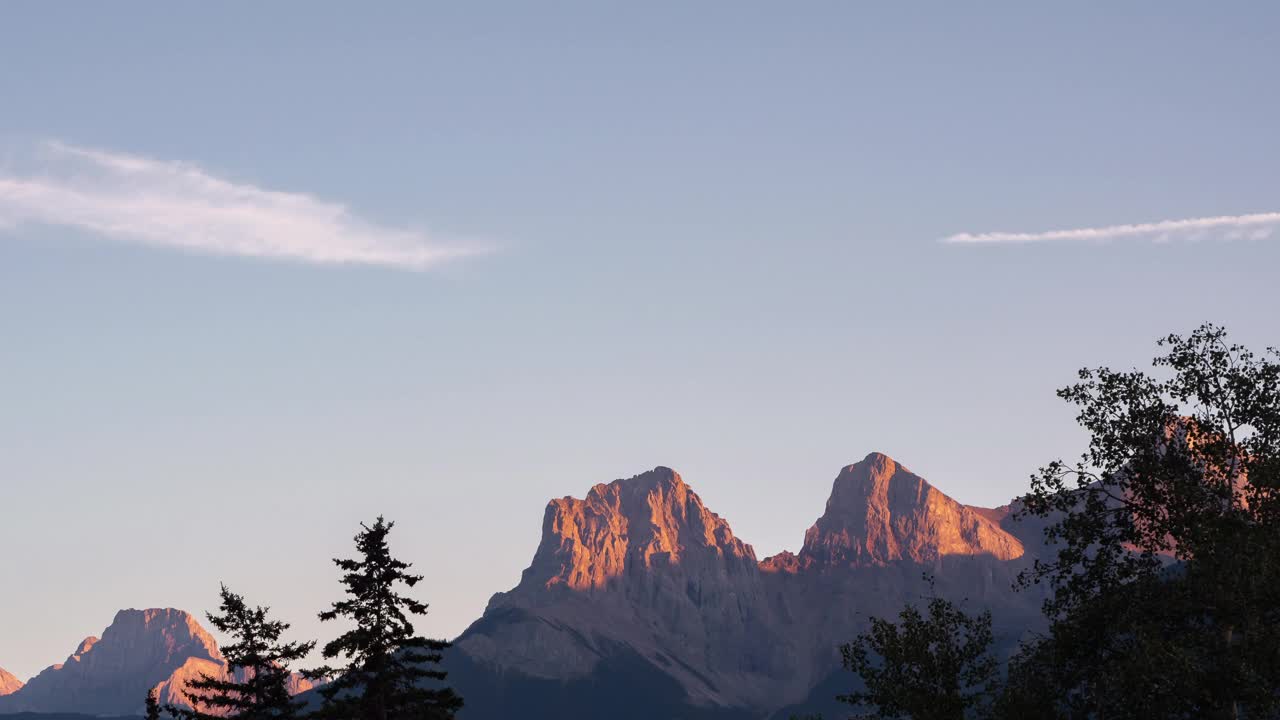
(8, 683)
(139, 651)
(631, 575)
(642, 600)
(883, 531)
(880, 512)
(642, 603)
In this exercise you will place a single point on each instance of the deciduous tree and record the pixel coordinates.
(1166, 583)
(934, 666)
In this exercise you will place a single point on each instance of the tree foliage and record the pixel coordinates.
(1166, 585)
(153, 705)
(256, 685)
(934, 667)
(389, 671)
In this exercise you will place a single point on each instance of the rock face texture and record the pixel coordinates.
(639, 566)
(140, 650)
(8, 683)
(639, 588)
(631, 527)
(880, 512)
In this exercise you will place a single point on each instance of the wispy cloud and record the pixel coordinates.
(1224, 227)
(176, 205)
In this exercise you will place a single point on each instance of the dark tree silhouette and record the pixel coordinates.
(1166, 585)
(390, 672)
(256, 685)
(153, 705)
(935, 667)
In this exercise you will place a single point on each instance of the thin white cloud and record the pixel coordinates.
(175, 205)
(1225, 227)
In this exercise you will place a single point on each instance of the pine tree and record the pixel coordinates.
(390, 672)
(256, 684)
(153, 705)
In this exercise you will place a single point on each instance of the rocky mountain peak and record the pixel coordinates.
(8, 683)
(159, 648)
(140, 650)
(639, 566)
(638, 578)
(165, 633)
(652, 519)
(880, 512)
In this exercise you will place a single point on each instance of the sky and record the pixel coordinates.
(269, 270)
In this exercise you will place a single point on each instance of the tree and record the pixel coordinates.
(937, 667)
(1166, 585)
(153, 705)
(390, 672)
(256, 684)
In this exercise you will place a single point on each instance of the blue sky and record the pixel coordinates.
(604, 237)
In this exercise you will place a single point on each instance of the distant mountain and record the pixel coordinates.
(8, 683)
(641, 604)
(641, 598)
(141, 650)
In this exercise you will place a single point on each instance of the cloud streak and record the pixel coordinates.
(173, 205)
(1224, 227)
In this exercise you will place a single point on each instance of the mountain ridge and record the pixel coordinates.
(895, 514)
(641, 572)
(156, 648)
(641, 599)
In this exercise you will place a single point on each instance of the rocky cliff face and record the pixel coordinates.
(139, 651)
(640, 578)
(8, 683)
(639, 566)
(630, 527)
(880, 512)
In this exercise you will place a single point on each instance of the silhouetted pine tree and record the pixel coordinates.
(153, 705)
(390, 672)
(257, 657)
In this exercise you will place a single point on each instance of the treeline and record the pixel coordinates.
(383, 668)
(1165, 591)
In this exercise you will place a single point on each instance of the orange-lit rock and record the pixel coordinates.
(651, 520)
(880, 512)
(640, 574)
(8, 683)
(173, 689)
(639, 564)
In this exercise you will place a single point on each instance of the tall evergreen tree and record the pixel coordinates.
(389, 672)
(256, 684)
(1166, 584)
(153, 705)
(934, 667)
